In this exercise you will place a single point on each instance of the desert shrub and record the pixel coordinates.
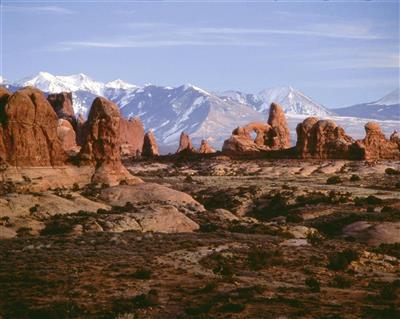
(232, 307)
(57, 226)
(390, 291)
(389, 249)
(392, 171)
(146, 300)
(24, 231)
(221, 265)
(34, 209)
(355, 178)
(75, 187)
(271, 206)
(208, 227)
(313, 284)
(259, 258)
(142, 273)
(189, 179)
(294, 218)
(341, 260)
(370, 200)
(341, 282)
(314, 238)
(397, 185)
(334, 180)
(202, 308)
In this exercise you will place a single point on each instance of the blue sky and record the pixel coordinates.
(339, 53)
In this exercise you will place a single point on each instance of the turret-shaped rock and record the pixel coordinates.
(279, 135)
(185, 144)
(150, 148)
(132, 135)
(205, 148)
(102, 144)
(29, 130)
(62, 105)
(375, 145)
(322, 139)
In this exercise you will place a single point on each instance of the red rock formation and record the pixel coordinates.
(102, 143)
(185, 144)
(4, 96)
(67, 136)
(272, 136)
(205, 148)
(279, 135)
(62, 105)
(375, 145)
(150, 148)
(395, 137)
(30, 130)
(80, 130)
(242, 142)
(322, 139)
(132, 136)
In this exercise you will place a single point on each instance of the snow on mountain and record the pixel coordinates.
(2, 80)
(201, 114)
(55, 84)
(386, 108)
(120, 85)
(393, 98)
(292, 101)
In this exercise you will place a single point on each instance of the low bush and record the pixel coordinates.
(341, 282)
(355, 178)
(313, 284)
(334, 180)
(341, 260)
(392, 171)
(142, 273)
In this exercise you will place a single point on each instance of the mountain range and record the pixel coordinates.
(200, 113)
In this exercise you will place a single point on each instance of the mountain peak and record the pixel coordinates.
(119, 84)
(393, 98)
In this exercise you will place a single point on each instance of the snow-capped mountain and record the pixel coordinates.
(293, 101)
(200, 113)
(386, 108)
(55, 84)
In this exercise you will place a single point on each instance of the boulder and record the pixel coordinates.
(102, 144)
(67, 136)
(147, 192)
(205, 148)
(132, 136)
(279, 134)
(375, 145)
(322, 139)
(185, 144)
(30, 130)
(374, 234)
(150, 148)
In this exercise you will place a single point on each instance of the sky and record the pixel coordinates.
(337, 52)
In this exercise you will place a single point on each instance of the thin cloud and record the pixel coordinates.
(38, 9)
(156, 34)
